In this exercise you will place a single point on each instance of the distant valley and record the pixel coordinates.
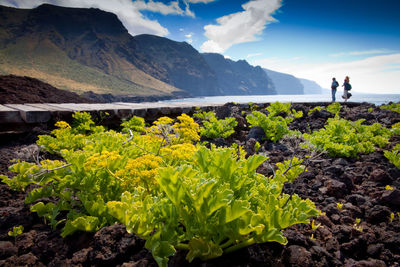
(89, 51)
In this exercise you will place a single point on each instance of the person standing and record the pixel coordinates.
(334, 86)
(347, 88)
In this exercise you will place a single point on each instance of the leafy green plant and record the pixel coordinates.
(257, 146)
(214, 204)
(394, 155)
(357, 225)
(215, 128)
(334, 108)
(253, 106)
(135, 124)
(314, 109)
(315, 226)
(396, 128)
(163, 187)
(16, 231)
(275, 126)
(343, 138)
(391, 217)
(393, 107)
(97, 166)
(67, 137)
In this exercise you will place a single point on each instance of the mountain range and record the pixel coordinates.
(90, 51)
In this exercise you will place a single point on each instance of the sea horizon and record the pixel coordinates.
(377, 99)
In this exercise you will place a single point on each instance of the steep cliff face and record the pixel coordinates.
(285, 84)
(79, 49)
(185, 67)
(239, 77)
(311, 87)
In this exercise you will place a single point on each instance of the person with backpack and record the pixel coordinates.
(347, 88)
(334, 86)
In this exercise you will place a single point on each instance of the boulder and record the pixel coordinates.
(380, 176)
(336, 188)
(7, 249)
(298, 256)
(391, 197)
(377, 214)
(257, 133)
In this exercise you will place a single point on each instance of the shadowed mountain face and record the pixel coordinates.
(90, 50)
(285, 84)
(185, 67)
(311, 87)
(76, 49)
(239, 78)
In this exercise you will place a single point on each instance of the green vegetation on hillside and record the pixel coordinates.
(50, 64)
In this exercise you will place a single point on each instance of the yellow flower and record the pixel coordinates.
(62, 125)
(178, 153)
(162, 127)
(163, 120)
(388, 187)
(187, 129)
(140, 172)
(102, 160)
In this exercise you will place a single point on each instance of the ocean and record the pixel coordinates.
(377, 99)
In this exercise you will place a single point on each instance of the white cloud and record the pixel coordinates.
(128, 11)
(240, 27)
(159, 7)
(187, 9)
(363, 53)
(189, 37)
(201, 1)
(254, 55)
(376, 74)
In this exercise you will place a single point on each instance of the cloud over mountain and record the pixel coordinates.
(128, 11)
(240, 27)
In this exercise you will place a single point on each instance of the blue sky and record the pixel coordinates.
(313, 39)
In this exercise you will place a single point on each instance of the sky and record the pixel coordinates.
(311, 39)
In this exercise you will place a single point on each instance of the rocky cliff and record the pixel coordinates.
(239, 77)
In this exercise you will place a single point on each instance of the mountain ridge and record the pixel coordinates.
(248, 79)
(69, 42)
(82, 50)
(286, 84)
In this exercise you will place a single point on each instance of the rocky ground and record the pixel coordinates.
(358, 183)
(20, 90)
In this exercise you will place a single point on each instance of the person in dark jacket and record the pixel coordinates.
(334, 87)
(347, 87)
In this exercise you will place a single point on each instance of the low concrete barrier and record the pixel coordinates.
(22, 117)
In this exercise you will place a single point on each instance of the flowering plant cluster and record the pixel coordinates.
(175, 192)
(162, 184)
